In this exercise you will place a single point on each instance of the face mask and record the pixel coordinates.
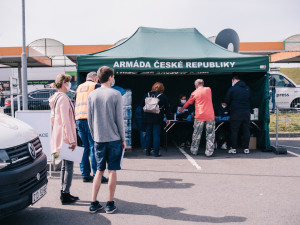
(233, 83)
(224, 106)
(183, 101)
(113, 83)
(69, 86)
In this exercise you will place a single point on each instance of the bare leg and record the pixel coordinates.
(112, 183)
(96, 184)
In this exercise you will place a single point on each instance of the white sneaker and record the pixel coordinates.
(232, 151)
(209, 153)
(224, 146)
(246, 151)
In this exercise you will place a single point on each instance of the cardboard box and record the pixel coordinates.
(252, 143)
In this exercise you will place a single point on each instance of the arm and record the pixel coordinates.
(68, 132)
(90, 114)
(190, 101)
(119, 116)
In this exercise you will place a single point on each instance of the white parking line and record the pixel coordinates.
(189, 158)
(292, 153)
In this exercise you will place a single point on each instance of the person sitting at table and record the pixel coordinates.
(183, 131)
(222, 135)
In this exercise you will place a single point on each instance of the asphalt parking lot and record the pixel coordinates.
(260, 188)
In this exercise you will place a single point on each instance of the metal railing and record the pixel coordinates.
(287, 126)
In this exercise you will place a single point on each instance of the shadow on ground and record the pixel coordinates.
(52, 216)
(172, 213)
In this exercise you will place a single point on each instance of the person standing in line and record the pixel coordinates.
(84, 133)
(204, 115)
(238, 100)
(272, 84)
(154, 121)
(63, 131)
(109, 138)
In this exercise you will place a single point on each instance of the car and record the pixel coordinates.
(37, 100)
(287, 91)
(23, 166)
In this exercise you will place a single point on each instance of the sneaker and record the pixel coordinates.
(246, 151)
(232, 151)
(182, 145)
(224, 146)
(104, 179)
(88, 179)
(66, 198)
(110, 207)
(209, 153)
(95, 207)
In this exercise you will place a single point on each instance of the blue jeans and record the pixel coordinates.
(143, 140)
(273, 93)
(88, 144)
(153, 130)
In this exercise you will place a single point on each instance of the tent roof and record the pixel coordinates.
(151, 44)
(167, 43)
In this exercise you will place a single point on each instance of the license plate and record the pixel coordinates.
(37, 195)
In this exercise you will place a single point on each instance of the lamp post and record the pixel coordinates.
(24, 62)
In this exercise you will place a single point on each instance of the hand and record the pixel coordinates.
(123, 144)
(72, 146)
(168, 122)
(180, 110)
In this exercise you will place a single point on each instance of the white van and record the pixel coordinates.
(287, 91)
(23, 166)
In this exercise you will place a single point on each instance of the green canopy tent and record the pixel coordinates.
(177, 57)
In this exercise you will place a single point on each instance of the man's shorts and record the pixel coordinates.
(110, 153)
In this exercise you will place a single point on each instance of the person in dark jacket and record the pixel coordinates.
(223, 134)
(154, 122)
(183, 131)
(238, 100)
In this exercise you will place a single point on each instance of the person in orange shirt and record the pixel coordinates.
(204, 115)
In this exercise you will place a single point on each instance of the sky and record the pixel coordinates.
(88, 22)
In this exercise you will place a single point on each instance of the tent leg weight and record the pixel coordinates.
(279, 150)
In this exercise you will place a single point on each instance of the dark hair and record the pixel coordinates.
(236, 77)
(104, 73)
(60, 79)
(182, 95)
(158, 87)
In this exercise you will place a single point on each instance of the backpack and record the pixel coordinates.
(151, 104)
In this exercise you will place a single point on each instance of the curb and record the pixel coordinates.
(285, 135)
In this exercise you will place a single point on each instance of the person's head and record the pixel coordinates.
(62, 82)
(182, 98)
(106, 75)
(234, 80)
(92, 76)
(199, 83)
(158, 87)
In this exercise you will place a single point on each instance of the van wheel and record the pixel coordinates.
(295, 103)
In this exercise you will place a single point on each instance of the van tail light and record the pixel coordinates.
(7, 102)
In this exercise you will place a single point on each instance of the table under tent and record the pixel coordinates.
(177, 57)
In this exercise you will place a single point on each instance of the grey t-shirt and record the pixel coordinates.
(105, 115)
